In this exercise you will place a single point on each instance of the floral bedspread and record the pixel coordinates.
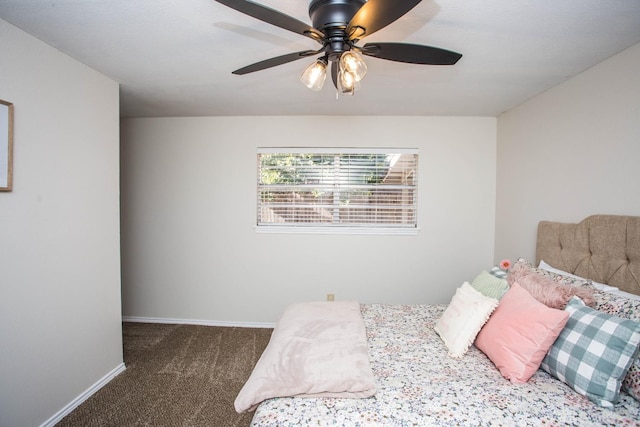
(420, 385)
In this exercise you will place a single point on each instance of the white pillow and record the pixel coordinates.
(467, 312)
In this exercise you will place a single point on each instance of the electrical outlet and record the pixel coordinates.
(331, 297)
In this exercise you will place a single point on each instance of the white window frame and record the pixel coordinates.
(303, 228)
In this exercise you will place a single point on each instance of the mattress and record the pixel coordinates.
(419, 384)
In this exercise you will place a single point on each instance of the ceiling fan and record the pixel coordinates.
(338, 25)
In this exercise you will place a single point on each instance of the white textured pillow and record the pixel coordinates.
(467, 312)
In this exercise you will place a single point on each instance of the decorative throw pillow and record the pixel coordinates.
(620, 306)
(519, 334)
(490, 285)
(610, 300)
(617, 305)
(562, 276)
(593, 353)
(463, 318)
(498, 272)
(541, 287)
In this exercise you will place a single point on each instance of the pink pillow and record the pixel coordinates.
(519, 333)
(545, 290)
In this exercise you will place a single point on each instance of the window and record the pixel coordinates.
(352, 190)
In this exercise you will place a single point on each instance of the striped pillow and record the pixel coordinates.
(498, 272)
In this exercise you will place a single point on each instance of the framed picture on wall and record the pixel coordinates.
(6, 145)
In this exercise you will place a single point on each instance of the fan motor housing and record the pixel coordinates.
(328, 14)
(332, 18)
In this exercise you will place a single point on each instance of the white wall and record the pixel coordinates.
(569, 153)
(60, 324)
(187, 255)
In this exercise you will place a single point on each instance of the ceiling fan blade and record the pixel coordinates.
(273, 17)
(278, 60)
(411, 53)
(377, 14)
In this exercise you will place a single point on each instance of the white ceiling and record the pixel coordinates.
(174, 58)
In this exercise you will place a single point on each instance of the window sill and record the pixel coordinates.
(389, 231)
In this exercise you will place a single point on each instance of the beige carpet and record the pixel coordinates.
(177, 375)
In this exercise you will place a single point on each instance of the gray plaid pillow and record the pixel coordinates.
(593, 352)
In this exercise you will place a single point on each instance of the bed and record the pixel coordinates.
(422, 377)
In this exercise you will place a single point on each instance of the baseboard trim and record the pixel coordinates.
(136, 319)
(84, 396)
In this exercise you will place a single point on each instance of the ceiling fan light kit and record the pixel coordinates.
(314, 75)
(338, 25)
(352, 62)
(347, 84)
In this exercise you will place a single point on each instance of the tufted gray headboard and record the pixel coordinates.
(603, 248)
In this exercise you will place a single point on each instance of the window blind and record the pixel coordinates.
(369, 188)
